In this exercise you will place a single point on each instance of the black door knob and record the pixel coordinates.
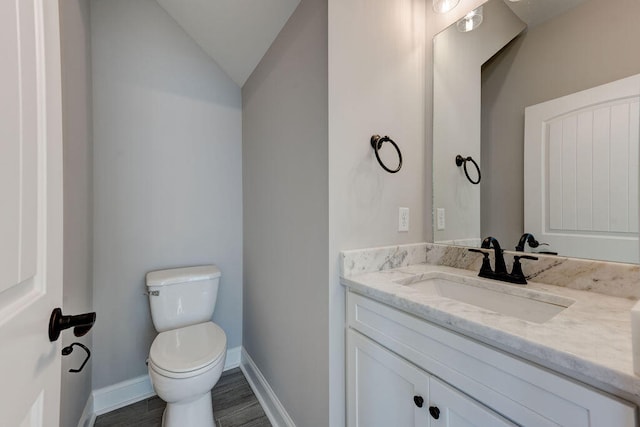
(418, 400)
(58, 322)
(434, 411)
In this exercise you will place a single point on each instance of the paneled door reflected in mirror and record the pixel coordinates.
(565, 69)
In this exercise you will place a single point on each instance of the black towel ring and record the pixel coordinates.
(376, 143)
(462, 161)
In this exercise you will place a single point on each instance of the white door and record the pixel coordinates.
(30, 211)
(581, 172)
(382, 389)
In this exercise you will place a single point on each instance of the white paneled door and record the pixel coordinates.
(30, 211)
(581, 171)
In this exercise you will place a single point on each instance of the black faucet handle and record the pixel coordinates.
(517, 276)
(486, 264)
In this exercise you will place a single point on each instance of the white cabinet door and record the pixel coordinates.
(385, 390)
(451, 408)
(30, 211)
(381, 387)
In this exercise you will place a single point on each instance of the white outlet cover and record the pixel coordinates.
(440, 219)
(403, 219)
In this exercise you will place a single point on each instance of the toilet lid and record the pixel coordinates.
(189, 348)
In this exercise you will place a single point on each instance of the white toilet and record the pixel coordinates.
(187, 356)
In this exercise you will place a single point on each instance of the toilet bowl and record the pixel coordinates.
(187, 357)
(184, 365)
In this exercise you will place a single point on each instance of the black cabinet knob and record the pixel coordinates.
(434, 411)
(418, 400)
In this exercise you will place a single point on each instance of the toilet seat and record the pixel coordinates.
(189, 351)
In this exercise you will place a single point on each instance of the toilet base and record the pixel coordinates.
(195, 413)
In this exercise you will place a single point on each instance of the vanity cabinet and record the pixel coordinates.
(395, 359)
(386, 390)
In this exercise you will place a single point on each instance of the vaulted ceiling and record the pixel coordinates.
(235, 33)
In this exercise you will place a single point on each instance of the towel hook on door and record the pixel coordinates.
(69, 349)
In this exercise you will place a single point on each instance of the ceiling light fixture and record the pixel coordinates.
(443, 6)
(471, 21)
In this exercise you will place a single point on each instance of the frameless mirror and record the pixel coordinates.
(544, 96)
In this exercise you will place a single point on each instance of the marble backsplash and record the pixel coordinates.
(608, 278)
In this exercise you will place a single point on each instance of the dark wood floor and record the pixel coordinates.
(234, 405)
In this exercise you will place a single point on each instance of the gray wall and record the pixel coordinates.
(309, 110)
(590, 45)
(76, 108)
(285, 194)
(377, 78)
(167, 176)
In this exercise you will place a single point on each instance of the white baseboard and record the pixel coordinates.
(263, 391)
(88, 417)
(125, 393)
(121, 394)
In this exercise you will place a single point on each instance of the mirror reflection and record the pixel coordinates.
(544, 97)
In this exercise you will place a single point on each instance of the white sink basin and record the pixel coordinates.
(510, 300)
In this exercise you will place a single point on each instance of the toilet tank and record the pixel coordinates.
(182, 296)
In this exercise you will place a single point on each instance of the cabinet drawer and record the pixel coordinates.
(522, 392)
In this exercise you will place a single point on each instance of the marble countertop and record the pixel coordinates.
(589, 341)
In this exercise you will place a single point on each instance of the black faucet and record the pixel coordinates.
(500, 272)
(490, 242)
(527, 238)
